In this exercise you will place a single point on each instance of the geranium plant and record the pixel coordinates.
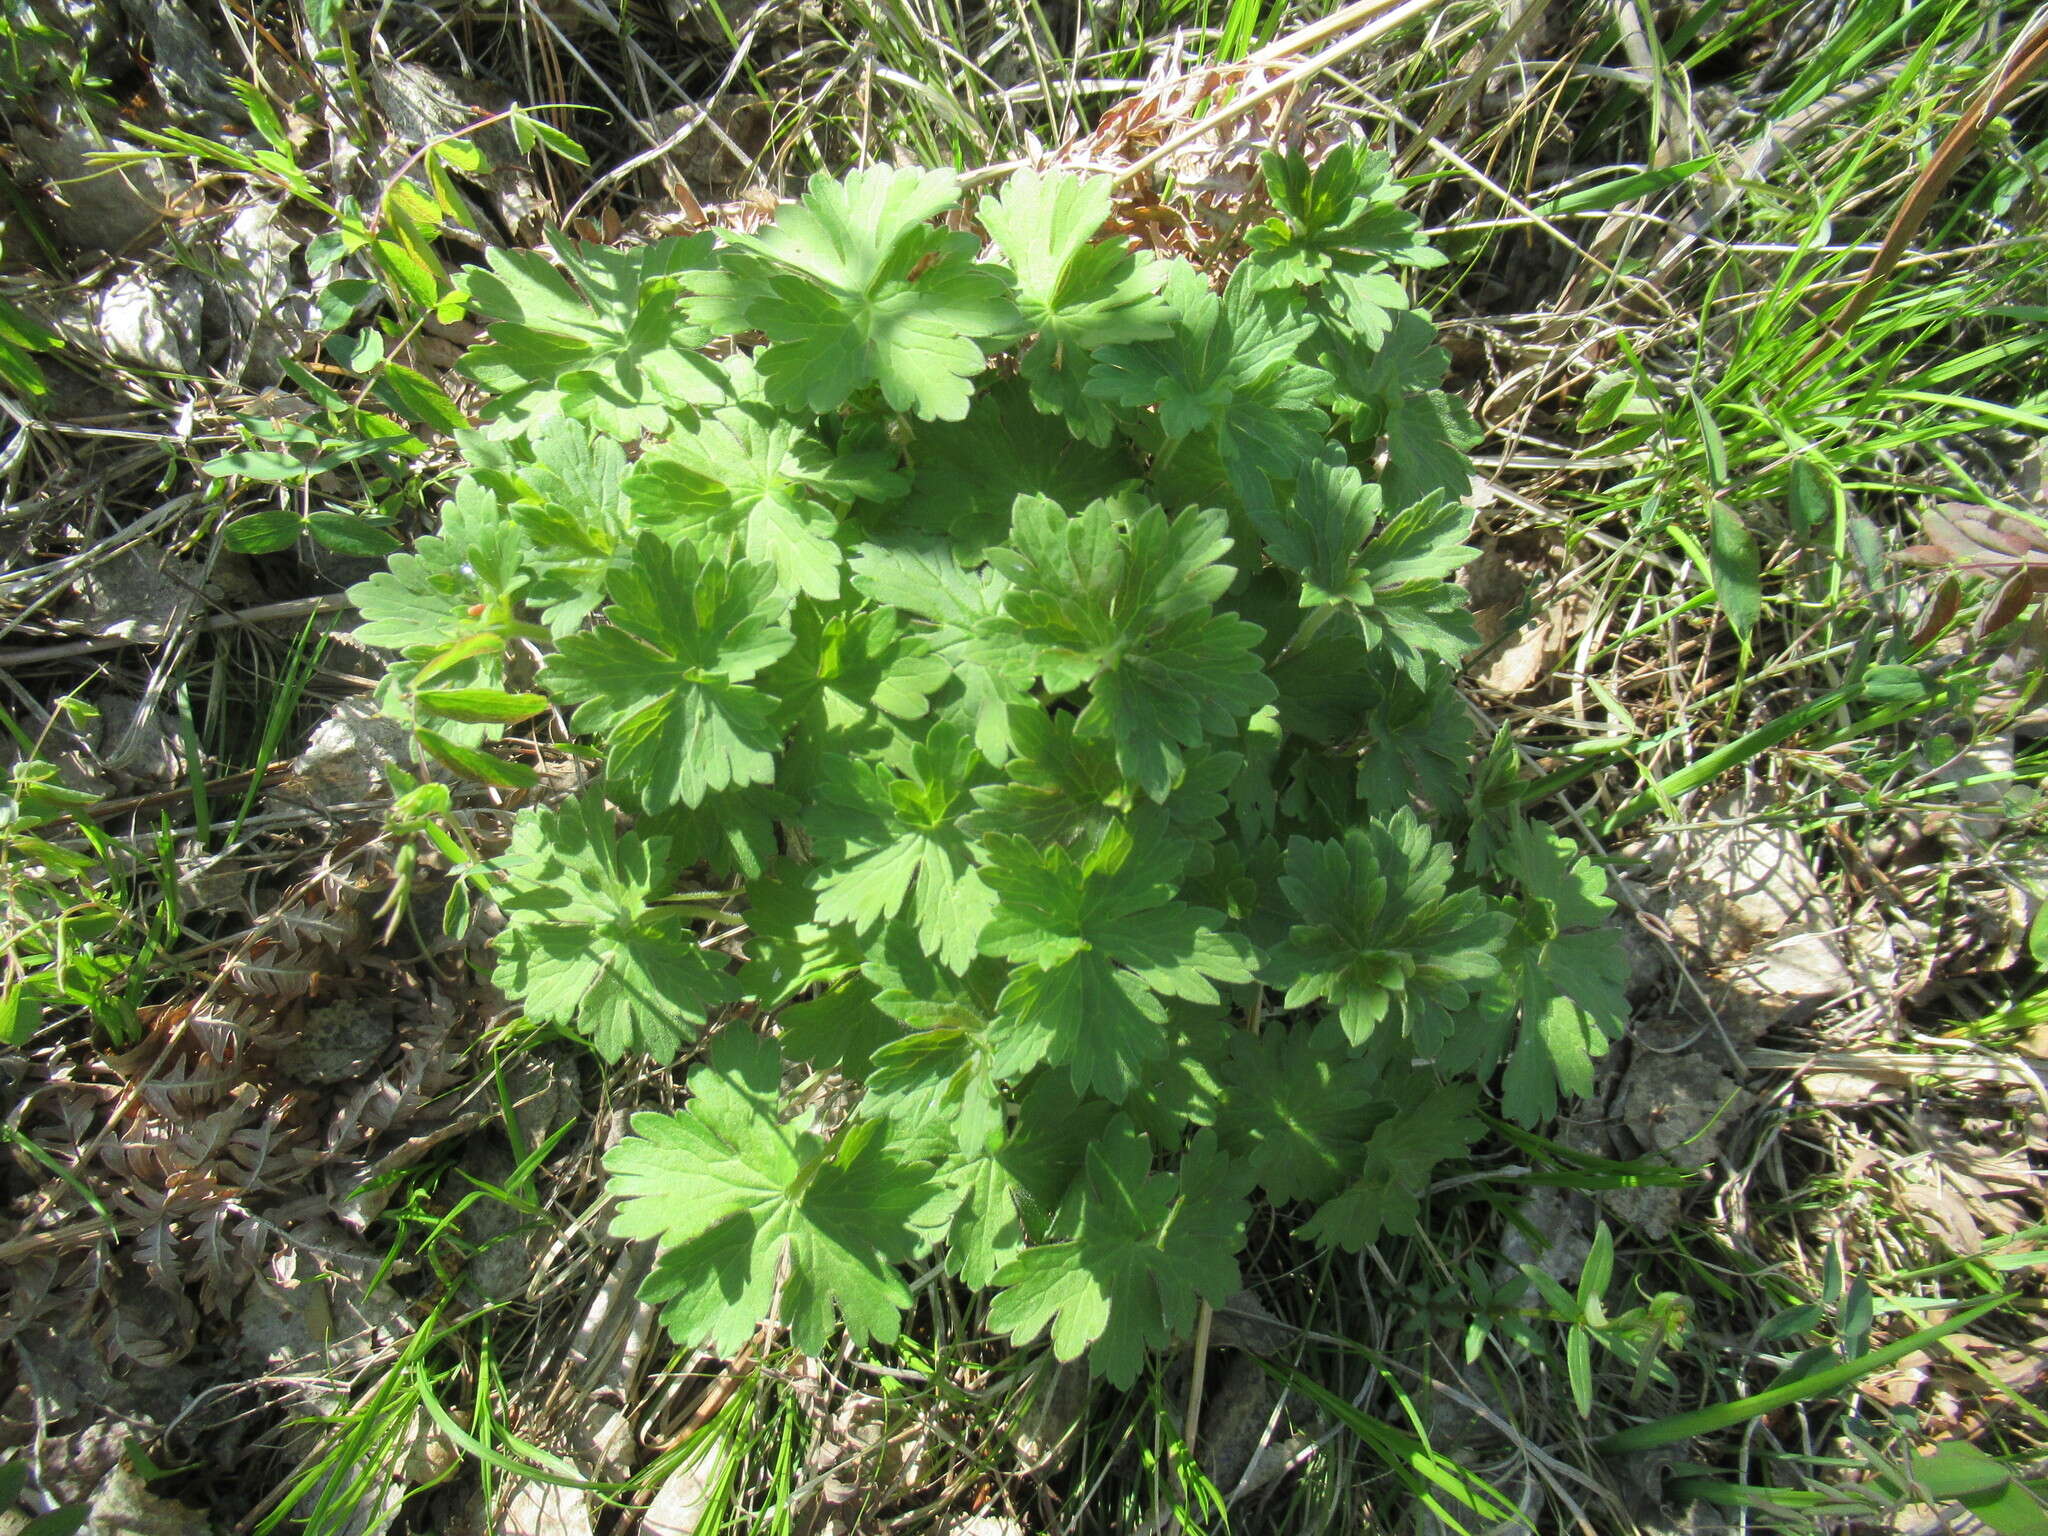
(1023, 680)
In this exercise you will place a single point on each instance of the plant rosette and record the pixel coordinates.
(1023, 677)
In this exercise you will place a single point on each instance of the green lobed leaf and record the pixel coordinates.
(595, 333)
(1075, 292)
(968, 474)
(746, 482)
(854, 287)
(739, 1201)
(1568, 975)
(567, 497)
(889, 843)
(1336, 219)
(1122, 602)
(963, 625)
(1230, 368)
(1297, 1110)
(1100, 942)
(665, 681)
(1148, 1247)
(1428, 1125)
(589, 943)
(1383, 938)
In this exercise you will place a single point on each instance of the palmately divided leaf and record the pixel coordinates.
(588, 942)
(1230, 367)
(597, 334)
(730, 1192)
(1377, 378)
(1298, 1111)
(853, 287)
(965, 629)
(855, 677)
(1322, 533)
(1570, 976)
(1063, 783)
(851, 233)
(1418, 746)
(889, 843)
(1383, 938)
(1428, 436)
(1413, 737)
(1428, 1126)
(745, 481)
(934, 1079)
(1319, 532)
(450, 604)
(1122, 602)
(1388, 571)
(665, 680)
(566, 499)
(1148, 1248)
(1015, 1188)
(1099, 940)
(428, 600)
(1337, 229)
(1075, 292)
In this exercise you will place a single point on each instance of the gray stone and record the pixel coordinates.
(1683, 1107)
(125, 1506)
(146, 319)
(141, 593)
(253, 303)
(497, 1236)
(679, 1505)
(1237, 1412)
(184, 64)
(90, 207)
(545, 1509)
(345, 761)
(339, 1040)
(1740, 880)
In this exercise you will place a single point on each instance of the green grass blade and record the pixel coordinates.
(1706, 769)
(1719, 1416)
(1415, 1463)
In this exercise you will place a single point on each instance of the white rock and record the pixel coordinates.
(253, 289)
(148, 319)
(93, 208)
(1982, 775)
(344, 762)
(679, 1507)
(1799, 967)
(124, 1506)
(141, 593)
(1740, 880)
(546, 1509)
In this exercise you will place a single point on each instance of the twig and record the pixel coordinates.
(1376, 18)
(100, 810)
(1765, 151)
(264, 613)
(1203, 1321)
(2027, 58)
